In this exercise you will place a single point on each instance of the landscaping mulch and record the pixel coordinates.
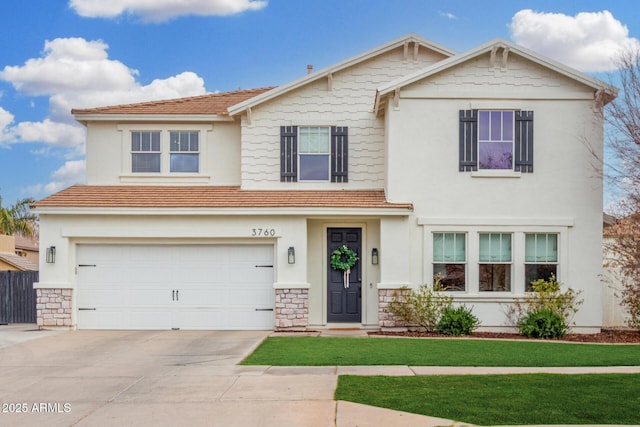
(610, 336)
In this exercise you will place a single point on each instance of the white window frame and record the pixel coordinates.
(497, 262)
(165, 176)
(327, 154)
(556, 262)
(501, 140)
(444, 262)
(188, 152)
(141, 151)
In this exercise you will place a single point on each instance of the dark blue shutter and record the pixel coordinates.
(288, 153)
(468, 160)
(339, 153)
(523, 156)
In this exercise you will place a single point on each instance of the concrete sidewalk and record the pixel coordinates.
(158, 378)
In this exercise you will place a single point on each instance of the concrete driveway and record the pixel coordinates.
(144, 378)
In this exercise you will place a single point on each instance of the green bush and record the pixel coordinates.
(422, 307)
(457, 321)
(544, 323)
(542, 306)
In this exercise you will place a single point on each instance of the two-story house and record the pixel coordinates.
(223, 211)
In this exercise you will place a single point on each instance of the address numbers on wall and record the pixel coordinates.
(263, 232)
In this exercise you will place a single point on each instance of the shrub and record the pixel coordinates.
(422, 307)
(543, 323)
(457, 321)
(545, 298)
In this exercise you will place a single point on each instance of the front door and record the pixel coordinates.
(344, 291)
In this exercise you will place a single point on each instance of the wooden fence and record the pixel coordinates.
(17, 296)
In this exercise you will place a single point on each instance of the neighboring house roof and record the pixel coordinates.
(26, 243)
(239, 108)
(21, 263)
(114, 196)
(608, 92)
(210, 104)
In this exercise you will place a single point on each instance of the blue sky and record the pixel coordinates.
(63, 54)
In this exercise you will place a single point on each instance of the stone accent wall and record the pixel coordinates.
(292, 309)
(387, 320)
(53, 307)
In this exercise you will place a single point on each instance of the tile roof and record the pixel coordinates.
(212, 103)
(129, 196)
(21, 263)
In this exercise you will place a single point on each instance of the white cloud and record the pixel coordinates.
(72, 172)
(589, 41)
(6, 118)
(163, 10)
(448, 15)
(76, 73)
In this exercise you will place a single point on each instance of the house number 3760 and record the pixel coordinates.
(263, 232)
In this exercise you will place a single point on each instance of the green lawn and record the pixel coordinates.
(504, 399)
(330, 351)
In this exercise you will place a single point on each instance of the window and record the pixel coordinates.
(145, 152)
(495, 139)
(184, 151)
(449, 260)
(495, 262)
(541, 257)
(314, 154)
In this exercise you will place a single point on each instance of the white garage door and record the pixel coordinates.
(165, 287)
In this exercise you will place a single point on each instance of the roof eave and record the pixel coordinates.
(121, 118)
(247, 211)
(323, 73)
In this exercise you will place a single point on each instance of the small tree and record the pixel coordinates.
(422, 307)
(18, 219)
(623, 173)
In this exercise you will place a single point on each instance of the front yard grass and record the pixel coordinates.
(503, 399)
(344, 351)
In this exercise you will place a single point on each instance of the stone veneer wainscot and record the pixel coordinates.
(53, 307)
(292, 309)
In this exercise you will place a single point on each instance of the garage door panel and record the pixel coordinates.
(187, 287)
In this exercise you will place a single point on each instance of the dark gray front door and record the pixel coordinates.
(344, 299)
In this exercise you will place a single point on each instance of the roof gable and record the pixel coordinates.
(493, 47)
(324, 73)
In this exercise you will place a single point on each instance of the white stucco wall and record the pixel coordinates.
(563, 195)
(109, 154)
(348, 103)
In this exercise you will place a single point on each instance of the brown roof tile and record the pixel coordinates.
(117, 196)
(18, 262)
(213, 103)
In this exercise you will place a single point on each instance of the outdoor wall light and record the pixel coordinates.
(291, 255)
(51, 254)
(374, 256)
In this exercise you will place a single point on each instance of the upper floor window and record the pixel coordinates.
(145, 151)
(496, 140)
(152, 153)
(314, 153)
(540, 258)
(184, 152)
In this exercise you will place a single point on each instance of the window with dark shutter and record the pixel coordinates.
(468, 160)
(339, 154)
(523, 150)
(288, 153)
(522, 142)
